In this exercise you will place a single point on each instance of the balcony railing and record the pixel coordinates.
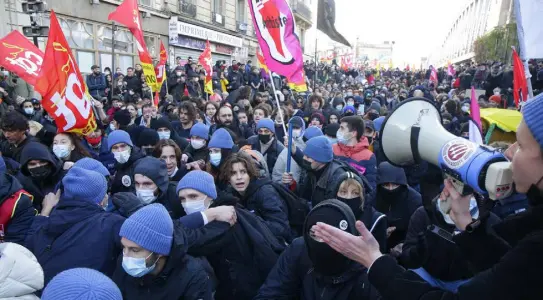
(302, 9)
(187, 8)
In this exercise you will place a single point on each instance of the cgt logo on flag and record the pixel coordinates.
(21, 57)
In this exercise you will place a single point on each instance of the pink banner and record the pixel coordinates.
(275, 29)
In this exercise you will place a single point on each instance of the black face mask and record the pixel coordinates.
(391, 195)
(307, 166)
(534, 195)
(147, 150)
(40, 172)
(264, 138)
(370, 139)
(326, 260)
(353, 203)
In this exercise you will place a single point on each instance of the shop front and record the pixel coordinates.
(187, 40)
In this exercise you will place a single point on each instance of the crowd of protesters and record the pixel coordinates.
(192, 199)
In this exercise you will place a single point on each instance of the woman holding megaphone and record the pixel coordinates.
(507, 261)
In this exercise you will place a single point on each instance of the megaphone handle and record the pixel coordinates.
(459, 186)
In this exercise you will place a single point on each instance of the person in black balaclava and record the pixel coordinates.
(310, 269)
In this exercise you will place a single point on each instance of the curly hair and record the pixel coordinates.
(239, 157)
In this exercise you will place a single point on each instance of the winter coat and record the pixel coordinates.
(14, 152)
(360, 158)
(271, 154)
(261, 198)
(77, 234)
(293, 277)
(197, 154)
(376, 223)
(242, 256)
(242, 131)
(97, 85)
(102, 154)
(439, 257)
(183, 277)
(235, 80)
(20, 273)
(320, 185)
(20, 88)
(281, 164)
(37, 151)
(508, 261)
(123, 180)
(16, 210)
(399, 207)
(133, 83)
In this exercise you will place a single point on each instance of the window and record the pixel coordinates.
(85, 60)
(218, 6)
(144, 2)
(240, 11)
(105, 61)
(126, 61)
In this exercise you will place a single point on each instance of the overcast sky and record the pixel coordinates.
(417, 26)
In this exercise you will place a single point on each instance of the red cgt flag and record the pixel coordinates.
(128, 14)
(520, 85)
(205, 61)
(20, 56)
(65, 95)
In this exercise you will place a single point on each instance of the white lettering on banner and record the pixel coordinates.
(81, 104)
(207, 34)
(31, 62)
(160, 73)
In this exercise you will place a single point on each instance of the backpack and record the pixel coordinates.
(298, 208)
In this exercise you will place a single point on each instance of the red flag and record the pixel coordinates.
(186, 92)
(160, 69)
(433, 75)
(205, 61)
(128, 14)
(65, 95)
(520, 85)
(20, 56)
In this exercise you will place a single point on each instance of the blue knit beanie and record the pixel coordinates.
(221, 139)
(81, 184)
(118, 136)
(90, 164)
(3, 167)
(200, 181)
(312, 132)
(319, 149)
(532, 111)
(151, 227)
(349, 108)
(266, 123)
(200, 130)
(81, 284)
(377, 123)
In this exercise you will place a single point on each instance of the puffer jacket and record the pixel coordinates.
(281, 163)
(20, 273)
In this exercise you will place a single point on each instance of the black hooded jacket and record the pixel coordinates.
(38, 151)
(397, 205)
(294, 275)
(183, 277)
(14, 152)
(123, 181)
(243, 257)
(16, 210)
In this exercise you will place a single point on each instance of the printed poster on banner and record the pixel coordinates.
(457, 152)
(20, 56)
(64, 92)
(276, 32)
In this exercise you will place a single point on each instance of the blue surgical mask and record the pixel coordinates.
(339, 107)
(164, 135)
(215, 159)
(136, 267)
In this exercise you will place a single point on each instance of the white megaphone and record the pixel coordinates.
(413, 133)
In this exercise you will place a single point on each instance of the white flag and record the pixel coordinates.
(475, 133)
(530, 26)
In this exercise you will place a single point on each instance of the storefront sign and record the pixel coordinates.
(185, 29)
(223, 49)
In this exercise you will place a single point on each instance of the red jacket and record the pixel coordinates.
(357, 152)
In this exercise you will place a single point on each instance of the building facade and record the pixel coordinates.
(478, 18)
(182, 25)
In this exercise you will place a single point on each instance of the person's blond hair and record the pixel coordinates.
(352, 182)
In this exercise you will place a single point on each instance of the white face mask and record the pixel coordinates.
(343, 138)
(29, 110)
(296, 133)
(122, 157)
(164, 135)
(136, 267)
(350, 103)
(147, 196)
(197, 144)
(178, 74)
(112, 126)
(61, 151)
(339, 107)
(194, 206)
(215, 159)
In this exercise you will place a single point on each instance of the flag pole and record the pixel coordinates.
(316, 65)
(277, 102)
(522, 50)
